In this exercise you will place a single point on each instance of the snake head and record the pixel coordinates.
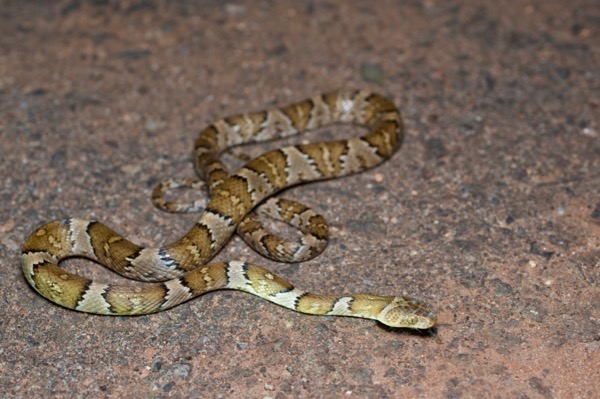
(406, 312)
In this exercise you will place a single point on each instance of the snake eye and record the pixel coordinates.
(412, 320)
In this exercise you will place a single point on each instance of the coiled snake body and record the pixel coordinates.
(179, 270)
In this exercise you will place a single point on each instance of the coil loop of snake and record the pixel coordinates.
(179, 271)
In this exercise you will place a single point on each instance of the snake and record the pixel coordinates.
(177, 272)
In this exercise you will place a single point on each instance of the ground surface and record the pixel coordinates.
(490, 212)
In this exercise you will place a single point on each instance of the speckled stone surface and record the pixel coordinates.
(490, 212)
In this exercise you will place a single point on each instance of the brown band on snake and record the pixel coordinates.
(181, 266)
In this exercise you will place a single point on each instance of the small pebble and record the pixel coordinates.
(372, 73)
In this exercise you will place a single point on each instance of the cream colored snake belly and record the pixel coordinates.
(179, 271)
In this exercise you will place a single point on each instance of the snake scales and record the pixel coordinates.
(179, 271)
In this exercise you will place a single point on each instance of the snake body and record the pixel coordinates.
(179, 271)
